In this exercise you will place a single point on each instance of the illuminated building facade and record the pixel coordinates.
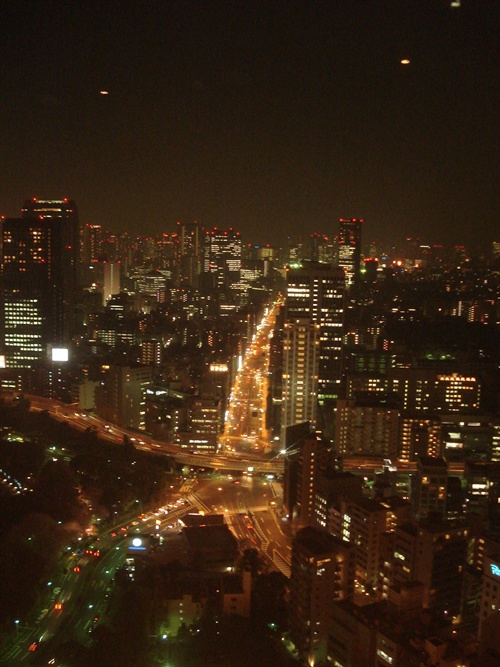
(222, 258)
(112, 281)
(468, 437)
(483, 490)
(349, 248)
(419, 436)
(63, 214)
(322, 248)
(366, 381)
(300, 373)
(203, 425)
(32, 289)
(313, 457)
(151, 352)
(150, 283)
(92, 244)
(316, 291)
(457, 393)
(121, 398)
(363, 523)
(424, 390)
(367, 425)
(495, 440)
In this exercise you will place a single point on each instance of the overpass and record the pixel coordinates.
(230, 463)
(224, 462)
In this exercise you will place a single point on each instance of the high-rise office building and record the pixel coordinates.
(315, 291)
(64, 213)
(349, 243)
(313, 458)
(322, 248)
(31, 289)
(300, 373)
(188, 261)
(202, 427)
(222, 258)
(92, 255)
(92, 244)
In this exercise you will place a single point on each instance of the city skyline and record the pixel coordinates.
(273, 119)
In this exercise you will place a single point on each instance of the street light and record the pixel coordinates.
(17, 626)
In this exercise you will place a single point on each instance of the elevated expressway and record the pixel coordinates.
(229, 460)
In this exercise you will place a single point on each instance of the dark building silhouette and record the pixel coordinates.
(322, 571)
(350, 248)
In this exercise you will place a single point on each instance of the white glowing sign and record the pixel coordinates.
(60, 354)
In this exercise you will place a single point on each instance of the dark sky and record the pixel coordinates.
(275, 118)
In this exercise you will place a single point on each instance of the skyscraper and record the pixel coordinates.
(222, 258)
(62, 212)
(92, 242)
(188, 263)
(350, 248)
(31, 289)
(322, 248)
(300, 373)
(315, 291)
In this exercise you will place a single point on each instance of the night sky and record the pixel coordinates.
(274, 118)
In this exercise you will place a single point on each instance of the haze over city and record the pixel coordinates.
(272, 118)
(249, 334)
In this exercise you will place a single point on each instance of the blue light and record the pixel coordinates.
(495, 570)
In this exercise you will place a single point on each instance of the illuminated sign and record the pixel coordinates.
(60, 354)
(495, 570)
(219, 368)
(2, 361)
(137, 544)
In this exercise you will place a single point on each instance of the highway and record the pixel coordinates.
(250, 505)
(243, 444)
(75, 596)
(240, 452)
(245, 421)
(241, 485)
(79, 592)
